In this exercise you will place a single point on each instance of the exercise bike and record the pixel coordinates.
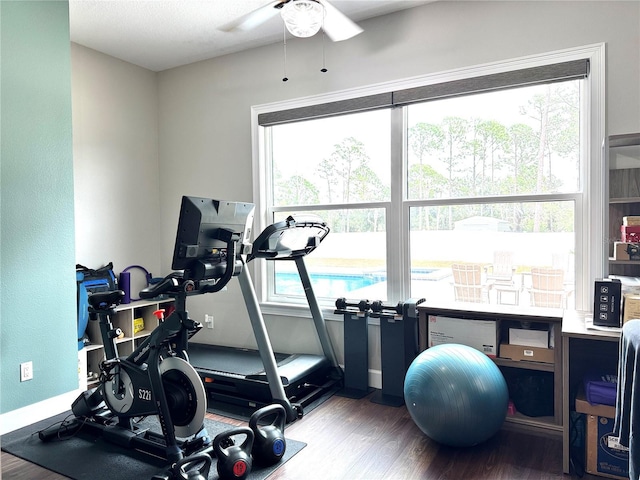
(156, 378)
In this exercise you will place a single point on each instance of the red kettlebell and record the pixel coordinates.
(269, 443)
(234, 461)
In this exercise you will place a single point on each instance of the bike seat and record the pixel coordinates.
(100, 300)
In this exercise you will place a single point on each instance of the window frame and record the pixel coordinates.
(590, 214)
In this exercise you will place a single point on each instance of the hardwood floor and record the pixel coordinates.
(357, 439)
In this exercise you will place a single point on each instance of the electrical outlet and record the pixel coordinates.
(208, 320)
(26, 371)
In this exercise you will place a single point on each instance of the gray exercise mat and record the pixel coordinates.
(85, 457)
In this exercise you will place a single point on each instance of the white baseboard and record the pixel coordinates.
(25, 416)
(375, 379)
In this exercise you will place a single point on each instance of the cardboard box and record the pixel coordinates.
(529, 338)
(583, 406)
(604, 455)
(631, 220)
(527, 354)
(479, 334)
(630, 306)
(626, 251)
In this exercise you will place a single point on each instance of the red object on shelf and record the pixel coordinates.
(630, 233)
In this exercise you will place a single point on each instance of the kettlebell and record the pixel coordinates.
(269, 443)
(234, 461)
(186, 471)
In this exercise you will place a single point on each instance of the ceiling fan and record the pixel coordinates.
(303, 18)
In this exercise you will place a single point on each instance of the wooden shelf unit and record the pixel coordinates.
(624, 194)
(123, 319)
(509, 316)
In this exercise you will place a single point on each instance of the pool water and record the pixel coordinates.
(335, 285)
(331, 285)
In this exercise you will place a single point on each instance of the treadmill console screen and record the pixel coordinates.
(204, 227)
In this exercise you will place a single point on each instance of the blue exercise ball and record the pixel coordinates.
(456, 395)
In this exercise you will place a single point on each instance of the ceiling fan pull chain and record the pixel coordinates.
(284, 45)
(324, 67)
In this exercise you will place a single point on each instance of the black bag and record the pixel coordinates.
(532, 393)
(88, 281)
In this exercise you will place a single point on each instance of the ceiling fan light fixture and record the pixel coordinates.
(303, 18)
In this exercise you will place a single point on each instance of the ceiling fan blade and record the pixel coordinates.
(337, 25)
(253, 19)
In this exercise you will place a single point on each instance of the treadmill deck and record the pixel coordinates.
(245, 366)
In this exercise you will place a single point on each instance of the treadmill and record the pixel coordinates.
(254, 378)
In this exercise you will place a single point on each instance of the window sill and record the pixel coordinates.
(302, 312)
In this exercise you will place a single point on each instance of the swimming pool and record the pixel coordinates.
(335, 285)
(330, 285)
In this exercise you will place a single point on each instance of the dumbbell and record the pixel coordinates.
(379, 307)
(343, 304)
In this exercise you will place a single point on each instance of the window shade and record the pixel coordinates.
(351, 105)
(498, 81)
(557, 72)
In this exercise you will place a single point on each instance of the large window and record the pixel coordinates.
(474, 189)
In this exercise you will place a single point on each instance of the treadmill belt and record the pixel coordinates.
(237, 361)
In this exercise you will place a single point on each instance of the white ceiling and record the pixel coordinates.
(162, 34)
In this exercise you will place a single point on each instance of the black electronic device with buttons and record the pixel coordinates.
(606, 302)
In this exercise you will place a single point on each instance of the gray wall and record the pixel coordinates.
(204, 114)
(37, 276)
(115, 163)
